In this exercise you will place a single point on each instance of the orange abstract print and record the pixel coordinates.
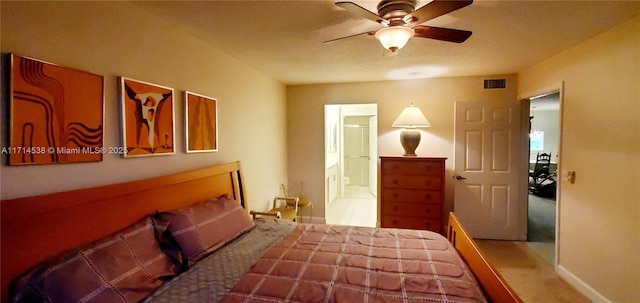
(202, 123)
(56, 114)
(147, 111)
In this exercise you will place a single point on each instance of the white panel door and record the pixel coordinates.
(487, 167)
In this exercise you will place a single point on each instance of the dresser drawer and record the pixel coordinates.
(412, 223)
(415, 182)
(421, 168)
(412, 196)
(412, 210)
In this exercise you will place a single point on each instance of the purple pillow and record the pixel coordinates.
(126, 266)
(204, 227)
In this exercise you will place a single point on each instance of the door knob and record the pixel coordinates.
(458, 177)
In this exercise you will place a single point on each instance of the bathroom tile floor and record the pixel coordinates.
(358, 207)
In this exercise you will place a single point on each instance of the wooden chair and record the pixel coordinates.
(283, 208)
(287, 207)
(540, 171)
(302, 201)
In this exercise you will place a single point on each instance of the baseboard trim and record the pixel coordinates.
(315, 220)
(581, 286)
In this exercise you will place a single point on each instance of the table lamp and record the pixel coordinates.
(410, 118)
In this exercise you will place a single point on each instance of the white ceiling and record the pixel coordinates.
(283, 39)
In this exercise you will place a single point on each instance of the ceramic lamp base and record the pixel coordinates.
(410, 138)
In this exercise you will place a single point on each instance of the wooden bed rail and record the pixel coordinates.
(493, 284)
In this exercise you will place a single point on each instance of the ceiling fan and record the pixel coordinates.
(400, 20)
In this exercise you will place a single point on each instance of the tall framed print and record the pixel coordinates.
(201, 123)
(148, 124)
(56, 114)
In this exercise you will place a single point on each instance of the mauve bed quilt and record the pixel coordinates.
(324, 263)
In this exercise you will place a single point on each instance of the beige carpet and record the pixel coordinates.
(533, 278)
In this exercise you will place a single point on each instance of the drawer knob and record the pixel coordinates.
(428, 182)
(427, 210)
(395, 222)
(427, 196)
(395, 195)
(395, 181)
(427, 224)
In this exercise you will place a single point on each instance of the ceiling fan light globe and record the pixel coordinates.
(395, 37)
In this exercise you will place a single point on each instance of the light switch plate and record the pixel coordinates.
(569, 176)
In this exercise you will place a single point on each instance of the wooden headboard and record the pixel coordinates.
(36, 228)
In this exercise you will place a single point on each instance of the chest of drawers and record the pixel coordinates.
(412, 192)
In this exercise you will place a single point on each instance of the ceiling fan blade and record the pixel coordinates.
(435, 8)
(360, 11)
(439, 33)
(370, 33)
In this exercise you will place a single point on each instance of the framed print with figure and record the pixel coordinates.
(148, 124)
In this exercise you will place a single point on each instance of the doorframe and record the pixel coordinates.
(525, 98)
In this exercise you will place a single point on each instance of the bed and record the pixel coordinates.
(36, 230)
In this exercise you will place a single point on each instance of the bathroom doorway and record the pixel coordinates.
(351, 167)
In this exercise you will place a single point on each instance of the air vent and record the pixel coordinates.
(495, 83)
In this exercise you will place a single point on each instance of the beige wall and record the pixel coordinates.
(600, 213)
(118, 39)
(435, 97)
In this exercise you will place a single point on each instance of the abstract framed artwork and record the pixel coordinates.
(148, 120)
(56, 114)
(201, 123)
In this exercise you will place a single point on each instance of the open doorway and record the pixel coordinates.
(351, 164)
(544, 155)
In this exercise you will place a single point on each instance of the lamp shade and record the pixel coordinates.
(411, 117)
(394, 38)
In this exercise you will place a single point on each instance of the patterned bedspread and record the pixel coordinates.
(321, 263)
